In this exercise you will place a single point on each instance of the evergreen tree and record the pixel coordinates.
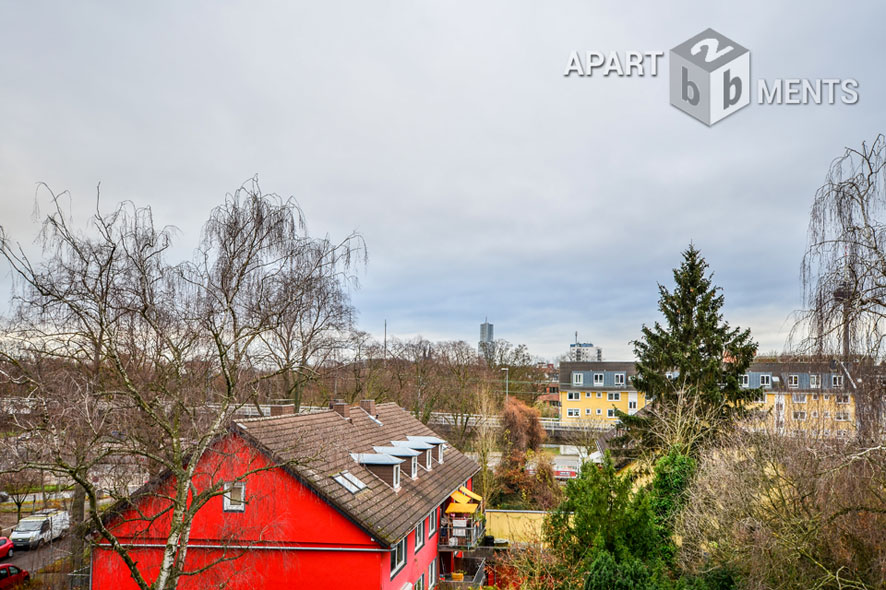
(602, 512)
(689, 366)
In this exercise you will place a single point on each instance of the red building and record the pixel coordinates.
(346, 498)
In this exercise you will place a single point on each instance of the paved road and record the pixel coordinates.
(37, 559)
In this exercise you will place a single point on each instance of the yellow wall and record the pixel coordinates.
(517, 526)
(589, 400)
(821, 413)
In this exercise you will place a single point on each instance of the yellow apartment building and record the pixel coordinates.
(591, 391)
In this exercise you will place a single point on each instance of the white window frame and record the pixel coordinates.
(610, 413)
(578, 378)
(793, 381)
(587, 411)
(598, 379)
(814, 381)
(620, 379)
(798, 398)
(397, 565)
(440, 450)
(573, 396)
(599, 395)
(745, 380)
(573, 413)
(396, 478)
(799, 415)
(599, 411)
(419, 535)
(841, 416)
(420, 583)
(588, 395)
(632, 405)
(432, 523)
(836, 380)
(228, 504)
(766, 380)
(414, 466)
(841, 398)
(432, 574)
(613, 396)
(349, 481)
(429, 460)
(760, 397)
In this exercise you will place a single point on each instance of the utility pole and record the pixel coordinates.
(507, 380)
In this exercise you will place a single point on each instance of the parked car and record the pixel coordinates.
(41, 527)
(12, 576)
(5, 547)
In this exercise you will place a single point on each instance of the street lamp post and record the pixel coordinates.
(507, 374)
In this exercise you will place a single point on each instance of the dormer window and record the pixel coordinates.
(414, 467)
(745, 380)
(598, 379)
(765, 380)
(578, 378)
(385, 467)
(429, 461)
(619, 379)
(440, 452)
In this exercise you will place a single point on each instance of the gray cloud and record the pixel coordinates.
(483, 180)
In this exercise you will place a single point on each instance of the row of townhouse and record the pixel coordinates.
(795, 395)
(363, 497)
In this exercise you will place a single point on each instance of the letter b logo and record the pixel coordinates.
(710, 76)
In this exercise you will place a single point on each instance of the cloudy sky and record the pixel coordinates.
(484, 181)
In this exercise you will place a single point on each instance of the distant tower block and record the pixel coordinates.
(584, 351)
(486, 336)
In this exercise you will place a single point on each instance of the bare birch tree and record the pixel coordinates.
(135, 366)
(844, 277)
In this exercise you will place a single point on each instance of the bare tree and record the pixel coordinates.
(802, 511)
(135, 366)
(844, 277)
(19, 485)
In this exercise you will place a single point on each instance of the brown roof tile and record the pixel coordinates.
(319, 446)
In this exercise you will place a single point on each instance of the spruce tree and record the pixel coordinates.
(689, 366)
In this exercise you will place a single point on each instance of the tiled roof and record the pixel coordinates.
(320, 445)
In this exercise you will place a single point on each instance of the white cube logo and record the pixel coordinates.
(710, 76)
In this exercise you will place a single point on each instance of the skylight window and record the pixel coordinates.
(349, 481)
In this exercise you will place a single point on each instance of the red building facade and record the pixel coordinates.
(319, 508)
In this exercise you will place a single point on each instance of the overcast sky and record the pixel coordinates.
(484, 182)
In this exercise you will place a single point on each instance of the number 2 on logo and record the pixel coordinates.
(712, 51)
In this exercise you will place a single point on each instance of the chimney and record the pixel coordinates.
(343, 409)
(334, 401)
(282, 410)
(368, 405)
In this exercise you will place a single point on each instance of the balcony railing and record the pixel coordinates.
(464, 533)
(473, 572)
